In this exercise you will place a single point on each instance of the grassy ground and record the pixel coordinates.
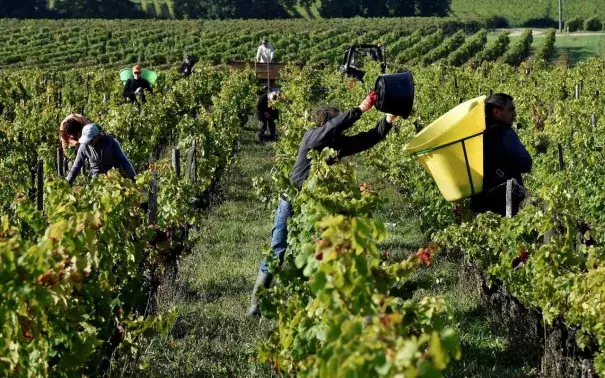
(578, 46)
(213, 338)
(488, 348)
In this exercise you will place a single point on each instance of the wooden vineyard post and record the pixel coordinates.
(191, 168)
(176, 162)
(509, 198)
(60, 162)
(593, 121)
(549, 234)
(577, 91)
(152, 211)
(40, 185)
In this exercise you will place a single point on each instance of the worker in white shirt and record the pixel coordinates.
(265, 52)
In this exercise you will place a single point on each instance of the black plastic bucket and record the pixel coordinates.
(395, 93)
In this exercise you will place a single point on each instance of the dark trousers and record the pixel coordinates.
(494, 199)
(263, 125)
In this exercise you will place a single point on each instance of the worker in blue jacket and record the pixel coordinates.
(103, 153)
(504, 157)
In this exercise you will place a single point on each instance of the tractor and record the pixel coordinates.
(355, 58)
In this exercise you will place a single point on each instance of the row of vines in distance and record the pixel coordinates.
(60, 44)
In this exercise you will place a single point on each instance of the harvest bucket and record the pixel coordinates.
(451, 150)
(149, 75)
(395, 93)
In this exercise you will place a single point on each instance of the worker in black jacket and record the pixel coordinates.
(267, 114)
(328, 133)
(504, 157)
(136, 86)
(187, 66)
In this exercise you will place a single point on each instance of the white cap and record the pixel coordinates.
(88, 133)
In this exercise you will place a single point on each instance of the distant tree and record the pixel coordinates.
(401, 8)
(340, 8)
(222, 9)
(118, 9)
(427, 8)
(24, 8)
(97, 9)
(77, 8)
(260, 9)
(185, 8)
(373, 8)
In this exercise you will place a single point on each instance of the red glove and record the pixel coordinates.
(369, 101)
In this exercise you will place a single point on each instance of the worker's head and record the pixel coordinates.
(324, 114)
(136, 71)
(379, 44)
(73, 126)
(265, 42)
(90, 133)
(500, 107)
(274, 95)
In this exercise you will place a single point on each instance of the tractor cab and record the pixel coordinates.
(357, 56)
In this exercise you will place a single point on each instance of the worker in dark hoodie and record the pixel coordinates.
(330, 125)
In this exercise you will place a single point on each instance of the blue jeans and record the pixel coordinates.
(279, 233)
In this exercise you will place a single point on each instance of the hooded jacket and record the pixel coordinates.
(103, 156)
(330, 135)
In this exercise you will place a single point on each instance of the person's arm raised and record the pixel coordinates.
(328, 133)
(351, 145)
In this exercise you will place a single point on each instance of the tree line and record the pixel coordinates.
(218, 9)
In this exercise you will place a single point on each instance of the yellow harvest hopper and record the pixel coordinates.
(451, 150)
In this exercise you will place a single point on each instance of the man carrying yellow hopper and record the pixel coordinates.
(472, 151)
(504, 156)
